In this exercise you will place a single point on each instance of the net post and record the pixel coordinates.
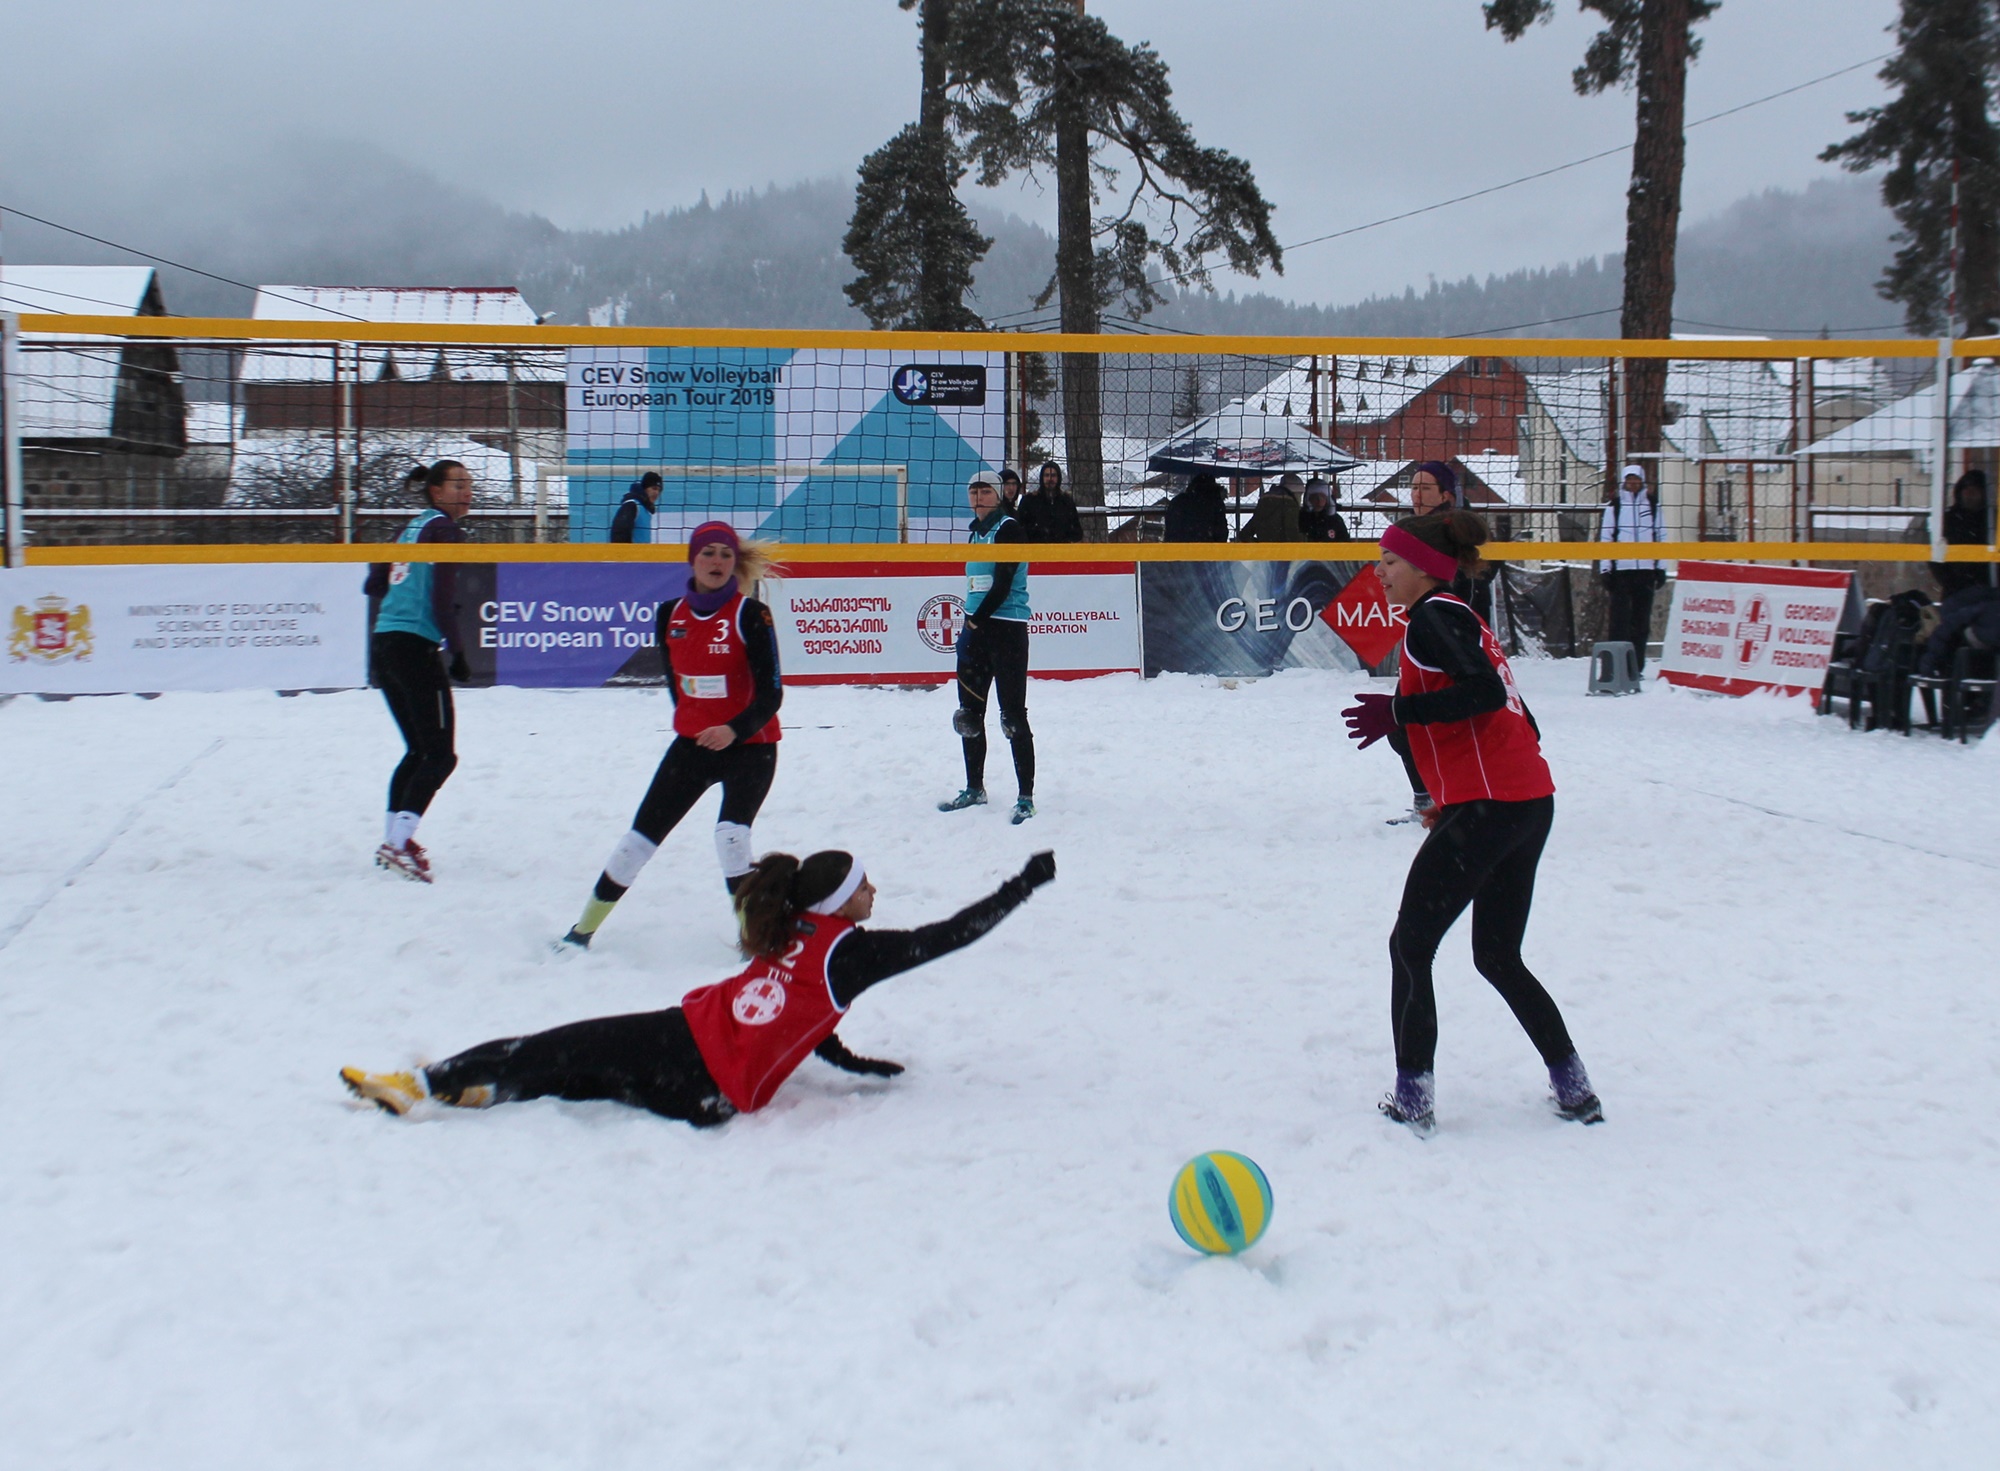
(1940, 448)
(10, 435)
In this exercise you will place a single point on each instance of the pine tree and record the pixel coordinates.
(1943, 150)
(1647, 44)
(910, 236)
(1045, 88)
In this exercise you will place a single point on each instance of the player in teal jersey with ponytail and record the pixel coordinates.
(415, 633)
(993, 650)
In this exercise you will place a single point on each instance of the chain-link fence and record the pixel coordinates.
(863, 438)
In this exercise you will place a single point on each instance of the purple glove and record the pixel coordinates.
(1369, 719)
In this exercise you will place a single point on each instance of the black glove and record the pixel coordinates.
(1039, 869)
(835, 1051)
(458, 669)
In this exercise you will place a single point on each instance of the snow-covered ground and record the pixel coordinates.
(1773, 939)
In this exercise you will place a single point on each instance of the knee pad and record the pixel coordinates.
(633, 853)
(967, 723)
(732, 848)
(1013, 727)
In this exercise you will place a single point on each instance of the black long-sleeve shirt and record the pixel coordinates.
(760, 646)
(1004, 573)
(1446, 636)
(865, 957)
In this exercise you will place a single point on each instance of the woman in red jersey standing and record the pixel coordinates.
(728, 1047)
(1480, 754)
(721, 655)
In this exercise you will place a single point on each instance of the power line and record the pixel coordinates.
(1574, 163)
(7, 209)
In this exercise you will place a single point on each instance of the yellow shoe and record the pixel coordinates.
(396, 1092)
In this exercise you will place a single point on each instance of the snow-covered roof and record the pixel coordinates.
(70, 392)
(481, 306)
(90, 291)
(1366, 390)
(1723, 407)
(1908, 426)
(1499, 473)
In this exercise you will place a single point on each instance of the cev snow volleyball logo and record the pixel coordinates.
(758, 1004)
(1220, 1203)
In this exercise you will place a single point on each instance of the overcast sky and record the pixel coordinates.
(1348, 110)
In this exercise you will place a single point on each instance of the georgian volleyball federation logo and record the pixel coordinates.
(52, 632)
(758, 1004)
(940, 621)
(1754, 631)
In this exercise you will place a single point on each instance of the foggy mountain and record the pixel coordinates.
(323, 213)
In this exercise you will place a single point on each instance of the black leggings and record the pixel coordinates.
(647, 1060)
(410, 670)
(689, 769)
(1399, 742)
(685, 772)
(997, 655)
(1483, 854)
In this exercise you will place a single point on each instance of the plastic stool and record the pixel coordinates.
(1614, 669)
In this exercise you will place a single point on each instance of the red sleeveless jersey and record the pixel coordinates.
(711, 670)
(1491, 757)
(756, 1027)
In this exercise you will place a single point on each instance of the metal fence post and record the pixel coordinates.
(1940, 448)
(10, 435)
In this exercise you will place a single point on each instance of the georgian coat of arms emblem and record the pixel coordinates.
(51, 632)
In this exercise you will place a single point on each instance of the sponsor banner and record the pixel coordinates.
(567, 625)
(1364, 620)
(899, 623)
(1734, 627)
(790, 445)
(1245, 618)
(223, 626)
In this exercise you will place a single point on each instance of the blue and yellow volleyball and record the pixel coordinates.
(1220, 1203)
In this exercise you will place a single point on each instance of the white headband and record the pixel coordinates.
(833, 901)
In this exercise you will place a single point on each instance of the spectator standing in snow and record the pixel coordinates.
(1200, 512)
(634, 518)
(1318, 520)
(1277, 515)
(1433, 488)
(1964, 525)
(1631, 513)
(1048, 512)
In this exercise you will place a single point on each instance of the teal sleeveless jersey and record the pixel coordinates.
(979, 579)
(406, 606)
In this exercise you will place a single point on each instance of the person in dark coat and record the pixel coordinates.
(1970, 616)
(1200, 512)
(1964, 525)
(1048, 513)
(641, 500)
(1318, 520)
(1277, 515)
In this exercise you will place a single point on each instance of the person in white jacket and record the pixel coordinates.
(1631, 513)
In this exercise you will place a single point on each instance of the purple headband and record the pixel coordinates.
(1421, 555)
(711, 532)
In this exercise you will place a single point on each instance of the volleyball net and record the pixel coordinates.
(165, 432)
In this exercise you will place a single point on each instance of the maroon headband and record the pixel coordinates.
(1421, 555)
(710, 532)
